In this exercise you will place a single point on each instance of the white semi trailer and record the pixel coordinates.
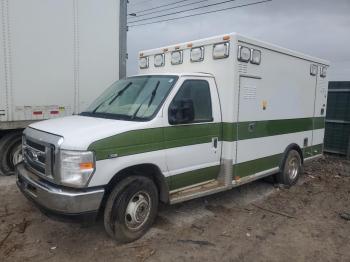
(55, 58)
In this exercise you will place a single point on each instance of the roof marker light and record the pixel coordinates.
(197, 54)
(255, 57)
(226, 37)
(313, 70)
(323, 72)
(243, 53)
(221, 50)
(176, 57)
(189, 45)
(159, 60)
(143, 62)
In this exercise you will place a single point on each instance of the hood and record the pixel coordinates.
(79, 132)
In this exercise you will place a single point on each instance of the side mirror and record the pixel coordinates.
(181, 112)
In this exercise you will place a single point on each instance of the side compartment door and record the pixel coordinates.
(250, 108)
(193, 146)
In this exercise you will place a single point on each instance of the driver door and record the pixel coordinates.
(193, 147)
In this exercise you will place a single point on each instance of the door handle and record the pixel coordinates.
(251, 127)
(215, 142)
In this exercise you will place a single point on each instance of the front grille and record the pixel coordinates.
(38, 157)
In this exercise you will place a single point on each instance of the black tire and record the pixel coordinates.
(9, 145)
(291, 170)
(125, 200)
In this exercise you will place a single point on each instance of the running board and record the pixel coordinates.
(214, 186)
(248, 179)
(199, 190)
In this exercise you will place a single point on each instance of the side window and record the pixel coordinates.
(196, 93)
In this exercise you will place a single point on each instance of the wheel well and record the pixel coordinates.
(7, 131)
(292, 147)
(148, 170)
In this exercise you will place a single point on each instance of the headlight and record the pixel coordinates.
(76, 167)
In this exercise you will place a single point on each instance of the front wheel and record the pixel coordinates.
(10, 152)
(291, 170)
(131, 209)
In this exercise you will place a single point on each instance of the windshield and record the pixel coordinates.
(133, 98)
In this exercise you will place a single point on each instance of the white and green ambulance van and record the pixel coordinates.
(200, 118)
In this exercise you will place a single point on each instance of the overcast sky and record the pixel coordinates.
(319, 28)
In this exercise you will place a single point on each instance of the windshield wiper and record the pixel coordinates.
(153, 94)
(114, 98)
(120, 93)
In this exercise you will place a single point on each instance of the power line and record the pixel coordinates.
(138, 2)
(179, 6)
(177, 2)
(208, 12)
(178, 12)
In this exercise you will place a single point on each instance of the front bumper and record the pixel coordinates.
(58, 201)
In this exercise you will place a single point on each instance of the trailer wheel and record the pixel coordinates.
(10, 152)
(292, 169)
(131, 209)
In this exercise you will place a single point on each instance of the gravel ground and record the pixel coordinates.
(256, 222)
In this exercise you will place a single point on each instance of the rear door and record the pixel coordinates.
(321, 91)
(194, 149)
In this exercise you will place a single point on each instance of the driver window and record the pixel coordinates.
(199, 92)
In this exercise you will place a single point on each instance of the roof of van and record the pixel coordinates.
(241, 38)
(199, 74)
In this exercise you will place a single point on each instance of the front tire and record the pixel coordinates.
(131, 209)
(292, 169)
(10, 152)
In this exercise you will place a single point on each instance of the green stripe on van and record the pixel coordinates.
(312, 150)
(248, 130)
(244, 169)
(255, 129)
(257, 165)
(319, 122)
(185, 135)
(193, 177)
(129, 143)
(229, 131)
(261, 164)
(146, 140)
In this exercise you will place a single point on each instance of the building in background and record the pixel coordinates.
(337, 132)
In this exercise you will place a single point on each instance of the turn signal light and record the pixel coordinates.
(88, 165)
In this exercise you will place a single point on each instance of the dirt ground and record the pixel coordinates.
(256, 222)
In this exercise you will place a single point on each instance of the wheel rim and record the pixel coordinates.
(17, 156)
(293, 168)
(137, 210)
